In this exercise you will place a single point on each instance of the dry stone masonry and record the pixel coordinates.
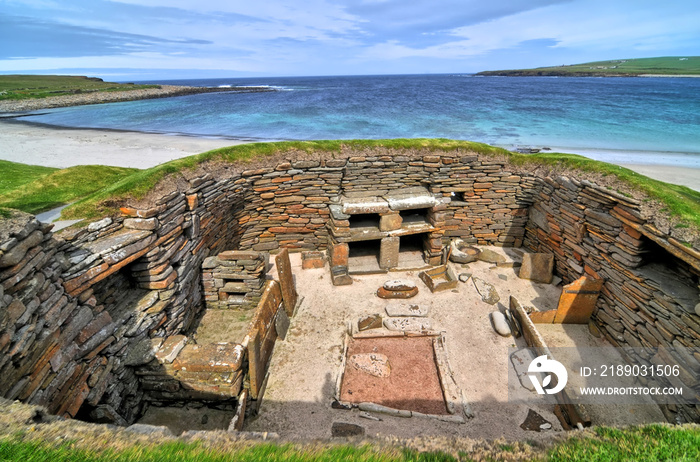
(96, 322)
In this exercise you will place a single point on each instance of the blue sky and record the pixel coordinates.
(156, 39)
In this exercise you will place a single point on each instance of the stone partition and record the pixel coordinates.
(82, 311)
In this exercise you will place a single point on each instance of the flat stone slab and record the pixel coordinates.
(408, 324)
(407, 310)
(487, 291)
(360, 205)
(375, 364)
(399, 284)
(410, 201)
(117, 240)
(521, 360)
(537, 267)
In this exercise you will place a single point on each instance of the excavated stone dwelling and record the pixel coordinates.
(96, 322)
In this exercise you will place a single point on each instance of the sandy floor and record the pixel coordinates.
(306, 365)
(58, 147)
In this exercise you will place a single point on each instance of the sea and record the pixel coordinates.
(633, 120)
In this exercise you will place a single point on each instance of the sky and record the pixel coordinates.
(135, 40)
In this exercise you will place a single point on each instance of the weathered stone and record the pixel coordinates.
(312, 259)
(159, 431)
(389, 252)
(390, 222)
(362, 205)
(170, 348)
(464, 277)
(419, 199)
(487, 291)
(407, 310)
(373, 321)
(460, 252)
(408, 324)
(521, 360)
(578, 300)
(98, 225)
(141, 223)
(439, 279)
(339, 254)
(286, 280)
(282, 324)
(537, 267)
(399, 284)
(142, 352)
(343, 429)
(17, 253)
(375, 364)
(500, 324)
(490, 256)
(399, 294)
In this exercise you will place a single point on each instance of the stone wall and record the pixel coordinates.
(650, 288)
(81, 312)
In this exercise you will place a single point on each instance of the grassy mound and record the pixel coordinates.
(44, 188)
(18, 87)
(15, 174)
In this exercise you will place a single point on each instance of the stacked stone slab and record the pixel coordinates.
(234, 279)
(647, 300)
(82, 311)
(390, 224)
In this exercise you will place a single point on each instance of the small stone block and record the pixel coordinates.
(342, 429)
(390, 222)
(408, 324)
(339, 254)
(543, 317)
(537, 267)
(312, 259)
(370, 322)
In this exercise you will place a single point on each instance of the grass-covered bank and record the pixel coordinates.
(35, 189)
(654, 442)
(667, 65)
(19, 87)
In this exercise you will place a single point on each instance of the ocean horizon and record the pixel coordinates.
(620, 120)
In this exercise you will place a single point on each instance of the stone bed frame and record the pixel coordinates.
(83, 311)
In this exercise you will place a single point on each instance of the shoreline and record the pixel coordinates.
(62, 147)
(18, 108)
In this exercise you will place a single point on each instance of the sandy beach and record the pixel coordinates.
(64, 147)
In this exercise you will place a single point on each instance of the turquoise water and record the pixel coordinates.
(644, 120)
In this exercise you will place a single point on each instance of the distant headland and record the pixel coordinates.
(670, 66)
(19, 93)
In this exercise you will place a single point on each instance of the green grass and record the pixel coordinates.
(670, 65)
(14, 175)
(639, 444)
(653, 442)
(185, 452)
(681, 201)
(49, 188)
(18, 87)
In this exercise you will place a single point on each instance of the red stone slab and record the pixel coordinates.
(284, 271)
(412, 385)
